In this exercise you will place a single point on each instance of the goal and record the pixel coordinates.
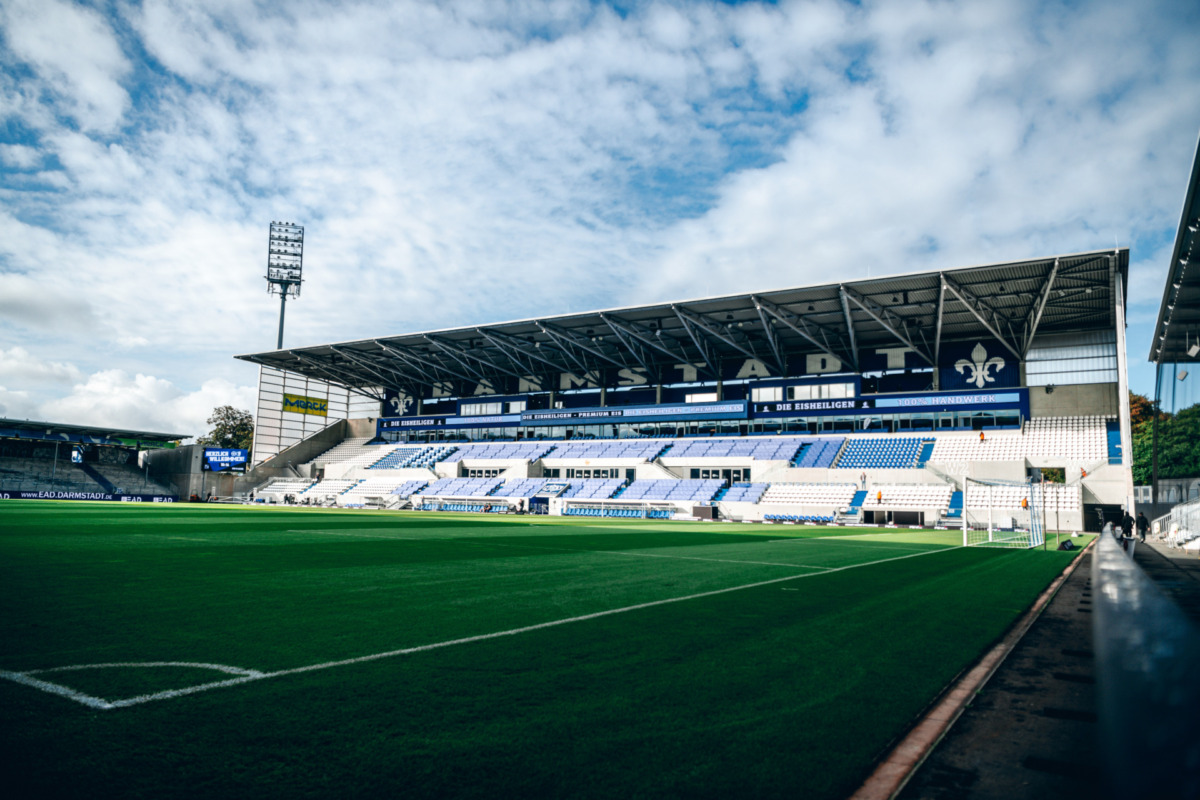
(1003, 513)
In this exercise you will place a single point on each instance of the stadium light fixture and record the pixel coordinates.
(285, 265)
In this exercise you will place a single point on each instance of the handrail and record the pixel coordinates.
(1147, 652)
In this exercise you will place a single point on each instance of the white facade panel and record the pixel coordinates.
(1063, 359)
(276, 430)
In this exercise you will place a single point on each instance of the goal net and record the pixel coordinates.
(1003, 513)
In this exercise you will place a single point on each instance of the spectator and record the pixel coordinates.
(1142, 525)
(1127, 524)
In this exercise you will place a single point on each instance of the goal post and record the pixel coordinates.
(1003, 513)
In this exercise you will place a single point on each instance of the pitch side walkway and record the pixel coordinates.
(1031, 730)
(1177, 574)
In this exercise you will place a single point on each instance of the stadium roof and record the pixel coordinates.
(49, 430)
(1178, 324)
(1009, 302)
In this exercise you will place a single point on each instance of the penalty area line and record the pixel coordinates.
(251, 676)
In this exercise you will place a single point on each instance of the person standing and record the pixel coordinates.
(1142, 525)
(1127, 524)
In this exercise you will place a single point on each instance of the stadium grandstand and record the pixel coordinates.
(40, 460)
(989, 396)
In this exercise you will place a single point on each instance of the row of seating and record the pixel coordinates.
(1050, 496)
(885, 453)
(745, 492)
(818, 518)
(834, 495)
(596, 511)
(474, 508)
(688, 490)
(1067, 438)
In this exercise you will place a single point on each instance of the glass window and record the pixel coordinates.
(800, 393)
(700, 397)
(767, 394)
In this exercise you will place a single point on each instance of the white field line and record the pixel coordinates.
(252, 675)
(485, 543)
(27, 678)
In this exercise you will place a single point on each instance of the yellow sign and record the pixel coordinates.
(299, 404)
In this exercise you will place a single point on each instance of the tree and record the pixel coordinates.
(1141, 410)
(1178, 456)
(232, 427)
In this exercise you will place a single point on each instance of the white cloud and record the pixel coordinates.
(20, 156)
(19, 366)
(17, 404)
(74, 51)
(480, 162)
(144, 402)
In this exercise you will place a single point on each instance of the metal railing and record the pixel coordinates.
(1180, 526)
(1146, 655)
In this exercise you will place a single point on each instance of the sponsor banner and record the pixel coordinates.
(982, 364)
(940, 401)
(299, 404)
(62, 495)
(736, 409)
(224, 460)
(425, 423)
(950, 400)
(147, 444)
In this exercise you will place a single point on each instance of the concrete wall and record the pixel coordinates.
(181, 469)
(1074, 401)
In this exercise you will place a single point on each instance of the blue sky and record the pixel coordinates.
(481, 161)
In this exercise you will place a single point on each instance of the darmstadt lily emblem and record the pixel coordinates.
(979, 366)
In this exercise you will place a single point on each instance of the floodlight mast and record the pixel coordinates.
(285, 263)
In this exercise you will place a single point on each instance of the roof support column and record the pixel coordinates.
(849, 327)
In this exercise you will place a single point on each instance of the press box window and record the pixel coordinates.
(767, 394)
(481, 409)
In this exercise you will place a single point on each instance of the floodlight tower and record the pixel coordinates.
(285, 262)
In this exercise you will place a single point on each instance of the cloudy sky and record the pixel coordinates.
(469, 162)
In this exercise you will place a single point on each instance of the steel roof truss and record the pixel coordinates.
(694, 319)
(634, 347)
(417, 362)
(385, 374)
(574, 340)
(772, 339)
(849, 325)
(1039, 308)
(941, 313)
(989, 320)
(801, 326)
(333, 377)
(460, 355)
(893, 323)
(518, 349)
(649, 338)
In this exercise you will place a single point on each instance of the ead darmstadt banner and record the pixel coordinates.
(57, 495)
(299, 404)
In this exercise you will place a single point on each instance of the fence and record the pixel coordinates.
(1179, 527)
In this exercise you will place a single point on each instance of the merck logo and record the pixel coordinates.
(303, 404)
(979, 365)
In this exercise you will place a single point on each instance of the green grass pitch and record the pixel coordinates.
(429, 655)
